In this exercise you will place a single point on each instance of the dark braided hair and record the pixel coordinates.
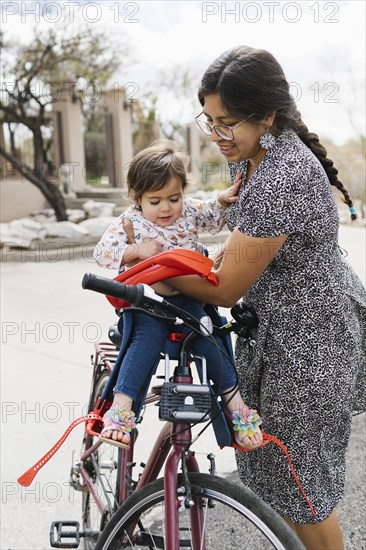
(250, 81)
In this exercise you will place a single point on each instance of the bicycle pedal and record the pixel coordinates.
(185, 402)
(58, 533)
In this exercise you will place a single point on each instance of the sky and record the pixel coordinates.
(320, 45)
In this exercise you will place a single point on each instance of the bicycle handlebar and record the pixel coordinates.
(143, 296)
(133, 294)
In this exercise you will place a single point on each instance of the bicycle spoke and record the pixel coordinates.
(204, 527)
(152, 538)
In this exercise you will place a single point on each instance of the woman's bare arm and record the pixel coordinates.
(245, 258)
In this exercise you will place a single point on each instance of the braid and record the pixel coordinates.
(292, 118)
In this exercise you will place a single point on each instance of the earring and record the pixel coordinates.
(267, 141)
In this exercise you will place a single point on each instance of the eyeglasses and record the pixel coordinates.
(224, 131)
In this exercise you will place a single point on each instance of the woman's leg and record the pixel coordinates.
(326, 535)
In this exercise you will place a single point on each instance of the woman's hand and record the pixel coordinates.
(230, 195)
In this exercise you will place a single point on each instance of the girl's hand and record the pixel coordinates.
(135, 253)
(148, 249)
(230, 195)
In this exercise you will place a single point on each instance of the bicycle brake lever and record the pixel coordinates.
(150, 294)
(211, 458)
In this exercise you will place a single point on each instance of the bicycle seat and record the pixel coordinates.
(172, 263)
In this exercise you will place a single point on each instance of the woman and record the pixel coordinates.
(283, 257)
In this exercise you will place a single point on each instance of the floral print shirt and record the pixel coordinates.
(197, 216)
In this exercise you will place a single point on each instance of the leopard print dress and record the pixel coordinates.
(308, 373)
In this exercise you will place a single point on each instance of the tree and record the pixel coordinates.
(52, 58)
(171, 98)
(349, 160)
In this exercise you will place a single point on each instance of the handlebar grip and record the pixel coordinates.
(132, 294)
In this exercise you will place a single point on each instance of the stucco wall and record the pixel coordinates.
(19, 198)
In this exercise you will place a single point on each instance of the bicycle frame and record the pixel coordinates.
(169, 449)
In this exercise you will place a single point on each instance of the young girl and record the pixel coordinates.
(162, 219)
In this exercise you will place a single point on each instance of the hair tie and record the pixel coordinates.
(353, 210)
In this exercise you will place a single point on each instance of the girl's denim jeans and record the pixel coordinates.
(148, 340)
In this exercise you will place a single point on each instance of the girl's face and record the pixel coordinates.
(164, 206)
(245, 144)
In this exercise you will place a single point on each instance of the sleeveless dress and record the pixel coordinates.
(308, 373)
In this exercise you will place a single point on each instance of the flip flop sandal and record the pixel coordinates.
(246, 421)
(122, 420)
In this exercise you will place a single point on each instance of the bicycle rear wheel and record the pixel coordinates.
(234, 517)
(103, 470)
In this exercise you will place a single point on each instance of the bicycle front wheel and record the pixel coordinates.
(233, 517)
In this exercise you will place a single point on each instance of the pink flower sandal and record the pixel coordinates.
(246, 422)
(122, 420)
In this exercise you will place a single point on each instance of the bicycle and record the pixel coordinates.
(185, 510)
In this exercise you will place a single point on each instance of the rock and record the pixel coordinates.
(26, 223)
(44, 216)
(11, 238)
(21, 233)
(97, 226)
(49, 212)
(98, 209)
(75, 215)
(68, 230)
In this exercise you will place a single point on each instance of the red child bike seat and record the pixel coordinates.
(172, 263)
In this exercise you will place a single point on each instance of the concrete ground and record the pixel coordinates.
(49, 325)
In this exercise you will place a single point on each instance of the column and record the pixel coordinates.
(68, 136)
(119, 114)
(194, 151)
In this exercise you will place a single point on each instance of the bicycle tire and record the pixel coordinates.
(92, 519)
(239, 519)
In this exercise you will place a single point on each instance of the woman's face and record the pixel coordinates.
(245, 144)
